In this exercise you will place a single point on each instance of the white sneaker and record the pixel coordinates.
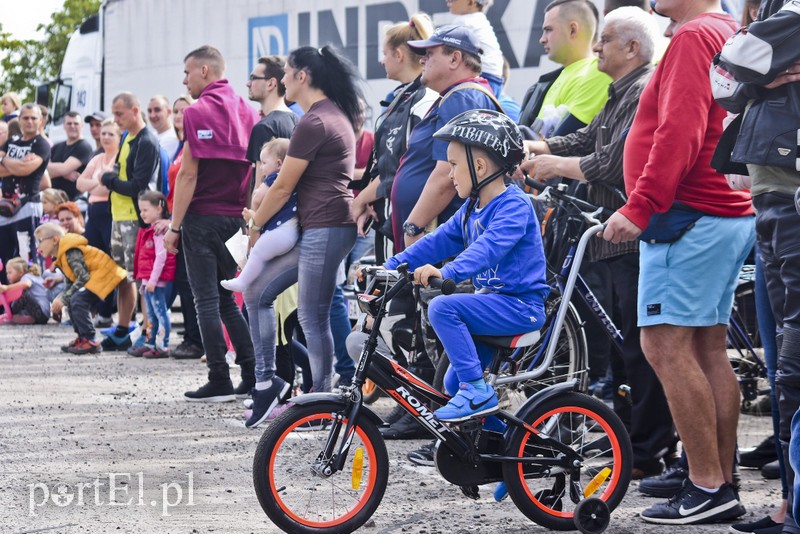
(230, 285)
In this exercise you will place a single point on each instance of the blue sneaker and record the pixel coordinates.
(113, 328)
(500, 492)
(468, 403)
(114, 343)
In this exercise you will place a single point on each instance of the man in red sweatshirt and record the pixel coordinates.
(210, 192)
(696, 233)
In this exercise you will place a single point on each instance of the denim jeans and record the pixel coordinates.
(157, 314)
(313, 264)
(207, 263)
(341, 328)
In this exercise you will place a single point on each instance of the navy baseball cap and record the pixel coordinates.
(459, 37)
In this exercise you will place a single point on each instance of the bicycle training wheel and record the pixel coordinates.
(289, 483)
(589, 427)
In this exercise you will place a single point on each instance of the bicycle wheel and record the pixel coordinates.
(300, 499)
(589, 427)
(569, 361)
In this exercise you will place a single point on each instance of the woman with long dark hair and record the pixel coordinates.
(319, 165)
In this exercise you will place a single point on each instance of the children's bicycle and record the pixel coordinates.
(322, 465)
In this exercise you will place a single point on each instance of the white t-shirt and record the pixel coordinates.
(492, 58)
(168, 140)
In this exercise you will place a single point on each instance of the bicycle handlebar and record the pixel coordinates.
(582, 205)
(447, 285)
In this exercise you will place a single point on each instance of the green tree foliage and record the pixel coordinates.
(24, 63)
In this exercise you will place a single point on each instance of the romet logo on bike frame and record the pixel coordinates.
(426, 416)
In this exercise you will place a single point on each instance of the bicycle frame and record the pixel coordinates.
(411, 392)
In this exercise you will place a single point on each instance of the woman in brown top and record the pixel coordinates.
(319, 165)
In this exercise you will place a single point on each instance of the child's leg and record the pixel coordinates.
(152, 318)
(456, 318)
(27, 305)
(80, 312)
(162, 313)
(270, 245)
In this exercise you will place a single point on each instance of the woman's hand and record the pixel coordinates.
(254, 235)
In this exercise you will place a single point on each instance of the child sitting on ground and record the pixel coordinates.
(496, 241)
(90, 275)
(280, 233)
(153, 269)
(25, 297)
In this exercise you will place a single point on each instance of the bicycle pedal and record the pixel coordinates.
(470, 491)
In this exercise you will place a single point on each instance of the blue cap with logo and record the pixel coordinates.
(459, 37)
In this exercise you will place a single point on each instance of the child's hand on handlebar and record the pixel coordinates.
(422, 274)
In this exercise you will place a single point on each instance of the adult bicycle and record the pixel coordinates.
(565, 457)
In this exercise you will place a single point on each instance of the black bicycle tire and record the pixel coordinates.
(270, 441)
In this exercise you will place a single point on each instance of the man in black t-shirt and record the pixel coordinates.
(264, 86)
(23, 161)
(70, 157)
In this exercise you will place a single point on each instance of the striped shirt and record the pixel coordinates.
(599, 146)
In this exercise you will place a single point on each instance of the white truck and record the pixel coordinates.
(139, 45)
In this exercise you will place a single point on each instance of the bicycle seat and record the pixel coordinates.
(511, 342)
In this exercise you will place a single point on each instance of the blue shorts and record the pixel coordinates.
(691, 282)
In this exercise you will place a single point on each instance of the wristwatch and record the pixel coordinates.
(412, 230)
(171, 229)
(253, 226)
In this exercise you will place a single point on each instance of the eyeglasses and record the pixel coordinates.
(254, 78)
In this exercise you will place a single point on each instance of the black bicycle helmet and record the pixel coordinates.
(491, 131)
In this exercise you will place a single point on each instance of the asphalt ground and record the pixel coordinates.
(72, 427)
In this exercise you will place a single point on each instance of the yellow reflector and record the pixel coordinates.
(596, 482)
(358, 468)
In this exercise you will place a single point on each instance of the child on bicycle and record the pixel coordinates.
(496, 241)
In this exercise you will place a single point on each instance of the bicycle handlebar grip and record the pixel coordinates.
(447, 285)
(530, 182)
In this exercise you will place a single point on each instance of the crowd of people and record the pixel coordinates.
(628, 122)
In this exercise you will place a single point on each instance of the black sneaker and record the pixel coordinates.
(691, 506)
(423, 455)
(187, 351)
(212, 392)
(113, 343)
(759, 456)
(756, 526)
(242, 391)
(666, 484)
(265, 400)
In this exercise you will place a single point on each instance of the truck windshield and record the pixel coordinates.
(61, 103)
